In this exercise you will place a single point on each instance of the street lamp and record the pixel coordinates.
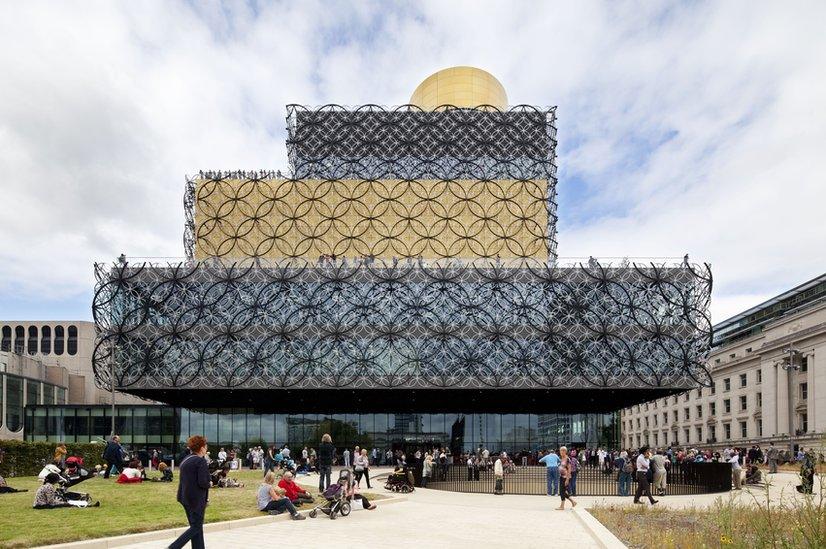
(791, 367)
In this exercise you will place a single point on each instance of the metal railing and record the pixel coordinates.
(681, 479)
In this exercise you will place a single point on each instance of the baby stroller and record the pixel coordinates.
(400, 480)
(74, 475)
(336, 497)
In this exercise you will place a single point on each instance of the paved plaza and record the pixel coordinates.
(454, 519)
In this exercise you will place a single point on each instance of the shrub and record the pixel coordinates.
(24, 458)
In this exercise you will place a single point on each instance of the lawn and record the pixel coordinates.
(124, 509)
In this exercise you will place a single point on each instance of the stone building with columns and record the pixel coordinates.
(768, 366)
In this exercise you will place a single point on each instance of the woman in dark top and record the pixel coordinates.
(193, 492)
(326, 454)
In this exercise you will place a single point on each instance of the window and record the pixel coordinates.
(45, 340)
(744, 402)
(685, 432)
(646, 422)
(727, 406)
(646, 406)
(675, 399)
(655, 420)
(716, 361)
(685, 397)
(712, 408)
(804, 364)
(71, 342)
(14, 403)
(19, 340)
(665, 418)
(760, 427)
(712, 433)
(727, 384)
(744, 431)
(700, 392)
(743, 380)
(713, 387)
(32, 392)
(733, 355)
(759, 376)
(5, 342)
(699, 433)
(699, 411)
(61, 396)
(638, 423)
(31, 345)
(748, 349)
(727, 431)
(759, 400)
(804, 391)
(58, 340)
(676, 417)
(656, 439)
(804, 422)
(686, 414)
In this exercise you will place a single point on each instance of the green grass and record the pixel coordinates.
(124, 509)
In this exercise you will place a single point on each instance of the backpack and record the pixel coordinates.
(628, 467)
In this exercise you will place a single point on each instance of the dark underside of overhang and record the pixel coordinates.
(512, 401)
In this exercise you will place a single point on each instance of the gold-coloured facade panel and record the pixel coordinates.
(279, 218)
(460, 86)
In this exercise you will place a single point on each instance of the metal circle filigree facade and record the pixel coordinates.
(378, 324)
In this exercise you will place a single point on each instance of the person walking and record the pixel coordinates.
(565, 478)
(643, 486)
(193, 491)
(551, 461)
(772, 454)
(361, 466)
(113, 455)
(326, 454)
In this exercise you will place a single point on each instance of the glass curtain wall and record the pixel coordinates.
(155, 426)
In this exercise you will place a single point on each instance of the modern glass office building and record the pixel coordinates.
(404, 268)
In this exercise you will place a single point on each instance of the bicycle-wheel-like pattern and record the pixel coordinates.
(406, 324)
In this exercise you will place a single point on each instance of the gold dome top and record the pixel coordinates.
(462, 87)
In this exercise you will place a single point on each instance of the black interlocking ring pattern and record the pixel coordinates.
(404, 324)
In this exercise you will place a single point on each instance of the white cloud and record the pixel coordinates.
(694, 128)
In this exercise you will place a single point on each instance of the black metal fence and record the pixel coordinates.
(681, 479)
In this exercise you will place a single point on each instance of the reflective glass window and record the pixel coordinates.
(31, 345)
(58, 340)
(45, 340)
(71, 341)
(19, 339)
(5, 339)
(14, 403)
(32, 392)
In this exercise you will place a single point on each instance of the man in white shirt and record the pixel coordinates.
(643, 487)
(735, 469)
(498, 474)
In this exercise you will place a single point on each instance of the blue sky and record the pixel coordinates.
(686, 127)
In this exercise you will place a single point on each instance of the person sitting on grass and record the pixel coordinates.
(273, 500)
(130, 475)
(47, 496)
(220, 479)
(753, 475)
(166, 473)
(294, 493)
(5, 488)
